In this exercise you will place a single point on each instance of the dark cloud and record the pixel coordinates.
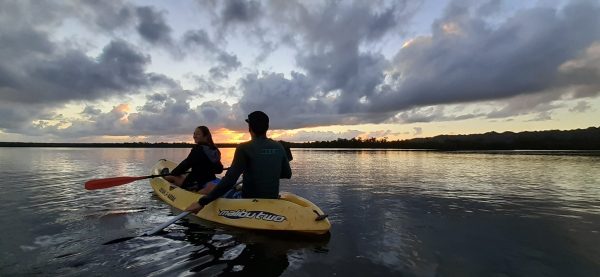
(229, 61)
(90, 111)
(199, 38)
(465, 60)
(226, 62)
(489, 7)
(176, 116)
(36, 67)
(118, 16)
(106, 15)
(286, 99)
(331, 38)
(161, 114)
(34, 119)
(152, 26)
(524, 64)
(14, 119)
(36, 70)
(70, 75)
(328, 39)
(240, 11)
(118, 69)
(538, 51)
(249, 19)
(209, 86)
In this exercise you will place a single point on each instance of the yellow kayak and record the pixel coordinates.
(289, 213)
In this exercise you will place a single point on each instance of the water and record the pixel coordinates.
(409, 213)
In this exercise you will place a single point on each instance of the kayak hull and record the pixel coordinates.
(289, 213)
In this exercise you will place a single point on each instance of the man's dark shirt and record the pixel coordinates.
(263, 162)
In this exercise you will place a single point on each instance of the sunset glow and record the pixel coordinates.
(95, 71)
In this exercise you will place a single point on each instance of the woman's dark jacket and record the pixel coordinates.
(205, 162)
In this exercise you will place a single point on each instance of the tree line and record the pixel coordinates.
(578, 139)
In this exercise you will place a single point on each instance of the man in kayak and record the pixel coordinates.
(263, 162)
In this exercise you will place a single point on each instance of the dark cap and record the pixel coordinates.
(258, 122)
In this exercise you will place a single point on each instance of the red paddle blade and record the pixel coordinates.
(110, 182)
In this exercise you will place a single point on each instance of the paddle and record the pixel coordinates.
(117, 181)
(150, 232)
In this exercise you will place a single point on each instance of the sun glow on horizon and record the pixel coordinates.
(224, 135)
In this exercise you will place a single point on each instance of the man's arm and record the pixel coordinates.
(233, 173)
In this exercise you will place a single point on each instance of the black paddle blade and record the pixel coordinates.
(118, 240)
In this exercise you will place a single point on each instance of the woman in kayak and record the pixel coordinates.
(204, 160)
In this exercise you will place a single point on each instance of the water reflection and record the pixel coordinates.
(392, 213)
(197, 247)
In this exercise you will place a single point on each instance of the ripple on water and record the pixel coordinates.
(392, 213)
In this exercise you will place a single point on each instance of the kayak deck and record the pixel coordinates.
(290, 212)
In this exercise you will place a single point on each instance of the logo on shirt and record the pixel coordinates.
(268, 151)
(237, 214)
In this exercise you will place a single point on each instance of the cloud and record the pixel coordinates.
(19, 120)
(330, 38)
(71, 75)
(40, 73)
(581, 107)
(542, 116)
(240, 11)
(291, 101)
(541, 103)
(206, 86)
(522, 64)
(417, 131)
(152, 26)
(227, 62)
(383, 134)
(466, 60)
(302, 136)
(162, 114)
(433, 114)
(200, 38)
(107, 16)
(37, 67)
(547, 53)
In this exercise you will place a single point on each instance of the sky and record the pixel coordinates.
(151, 71)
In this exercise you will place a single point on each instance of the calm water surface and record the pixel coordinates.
(400, 213)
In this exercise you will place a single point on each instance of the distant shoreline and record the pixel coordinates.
(578, 139)
(109, 145)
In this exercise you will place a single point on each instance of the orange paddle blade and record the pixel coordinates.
(110, 182)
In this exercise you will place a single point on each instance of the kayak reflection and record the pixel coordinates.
(234, 251)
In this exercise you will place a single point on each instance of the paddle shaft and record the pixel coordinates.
(173, 220)
(164, 225)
